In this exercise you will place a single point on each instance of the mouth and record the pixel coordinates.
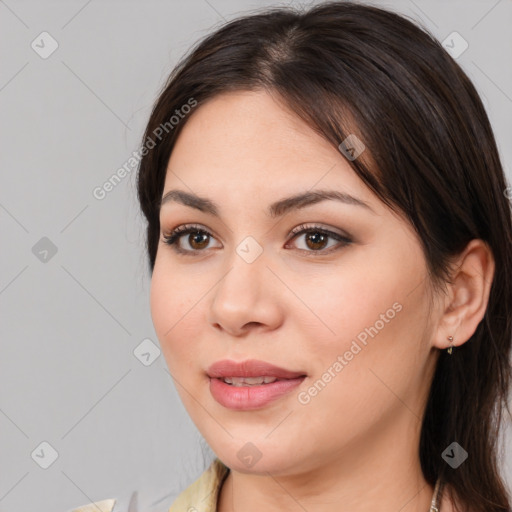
(251, 384)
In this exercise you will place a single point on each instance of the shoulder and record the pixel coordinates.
(202, 494)
(97, 506)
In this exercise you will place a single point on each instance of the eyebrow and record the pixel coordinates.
(276, 209)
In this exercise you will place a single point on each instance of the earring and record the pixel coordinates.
(450, 348)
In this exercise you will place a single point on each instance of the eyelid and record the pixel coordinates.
(309, 226)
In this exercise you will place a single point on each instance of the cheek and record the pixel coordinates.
(372, 318)
(374, 355)
(160, 298)
(179, 308)
(372, 293)
(172, 304)
(345, 302)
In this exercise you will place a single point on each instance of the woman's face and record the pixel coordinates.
(350, 313)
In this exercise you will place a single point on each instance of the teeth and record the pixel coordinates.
(248, 381)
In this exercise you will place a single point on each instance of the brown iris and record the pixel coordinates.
(200, 238)
(317, 239)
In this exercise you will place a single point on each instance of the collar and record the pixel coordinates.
(202, 495)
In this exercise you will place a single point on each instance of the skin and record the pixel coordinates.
(354, 446)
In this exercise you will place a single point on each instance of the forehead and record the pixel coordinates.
(247, 124)
(246, 142)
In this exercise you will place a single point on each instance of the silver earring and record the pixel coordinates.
(450, 348)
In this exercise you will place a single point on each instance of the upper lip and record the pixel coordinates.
(250, 368)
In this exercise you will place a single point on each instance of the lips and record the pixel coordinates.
(239, 396)
(250, 368)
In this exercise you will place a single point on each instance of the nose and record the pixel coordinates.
(247, 297)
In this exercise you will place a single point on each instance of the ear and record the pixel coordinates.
(464, 305)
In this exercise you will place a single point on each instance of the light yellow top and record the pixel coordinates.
(199, 496)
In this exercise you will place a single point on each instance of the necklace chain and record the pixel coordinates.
(435, 505)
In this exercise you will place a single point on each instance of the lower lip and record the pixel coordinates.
(250, 397)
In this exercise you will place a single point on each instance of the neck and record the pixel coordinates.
(378, 472)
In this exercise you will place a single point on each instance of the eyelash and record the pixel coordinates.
(185, 229)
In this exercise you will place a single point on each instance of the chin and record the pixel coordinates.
(250, 458)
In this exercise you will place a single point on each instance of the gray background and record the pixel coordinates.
(72, 320)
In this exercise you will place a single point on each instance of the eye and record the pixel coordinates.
(197, 238)
(316, 239)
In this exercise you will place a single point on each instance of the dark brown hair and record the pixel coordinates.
(430, 155)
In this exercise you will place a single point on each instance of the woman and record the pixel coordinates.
(330, 249)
